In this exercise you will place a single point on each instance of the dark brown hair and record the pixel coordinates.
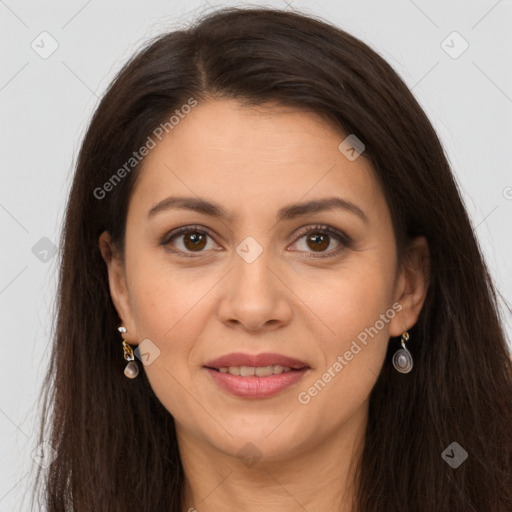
(115, 442)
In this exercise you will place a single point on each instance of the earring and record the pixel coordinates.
(131, 370)
(402, 358)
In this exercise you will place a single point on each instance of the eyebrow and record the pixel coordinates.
(286, 213)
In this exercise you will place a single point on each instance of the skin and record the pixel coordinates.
(253, 162)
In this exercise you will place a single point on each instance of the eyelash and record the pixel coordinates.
(344, 240)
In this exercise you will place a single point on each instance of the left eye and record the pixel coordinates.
(317, 239)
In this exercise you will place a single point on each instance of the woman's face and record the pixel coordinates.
(254, 282)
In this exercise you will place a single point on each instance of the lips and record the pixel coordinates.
(267, 359)
(256, 376)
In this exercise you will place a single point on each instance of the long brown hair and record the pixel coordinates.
(115, 442)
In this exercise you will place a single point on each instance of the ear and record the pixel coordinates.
(118, 285)
(411, 286)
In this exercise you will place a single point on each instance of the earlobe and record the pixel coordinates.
(117, 284)
(412, 286)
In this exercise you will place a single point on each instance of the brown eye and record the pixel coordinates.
(194, 241)
(187, 240)
(318, 239)
(318, 242)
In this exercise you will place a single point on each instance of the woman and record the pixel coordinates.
(263, 223)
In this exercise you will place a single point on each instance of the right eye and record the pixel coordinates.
(193, 240)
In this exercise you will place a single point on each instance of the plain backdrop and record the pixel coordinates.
(57, 58)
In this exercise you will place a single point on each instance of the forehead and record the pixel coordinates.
(247, 157)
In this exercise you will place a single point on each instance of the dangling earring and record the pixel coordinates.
(402, 358)
(131, 370)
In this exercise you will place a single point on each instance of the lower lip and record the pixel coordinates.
(256, 387)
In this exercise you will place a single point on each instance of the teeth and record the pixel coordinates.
(247, 371)
(259, 371)
(264, 371)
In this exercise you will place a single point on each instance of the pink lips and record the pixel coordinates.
(240, 359)
(256, 387)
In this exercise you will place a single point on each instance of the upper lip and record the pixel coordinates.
(265, 359)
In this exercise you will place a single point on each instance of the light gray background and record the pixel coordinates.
(46, 105)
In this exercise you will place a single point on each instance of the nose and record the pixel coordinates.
(254, 295)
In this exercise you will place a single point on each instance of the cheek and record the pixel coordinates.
(171, 308)
(165, 298)
(349, 300)
(358, 310)
(355, 307)
(164, 313)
